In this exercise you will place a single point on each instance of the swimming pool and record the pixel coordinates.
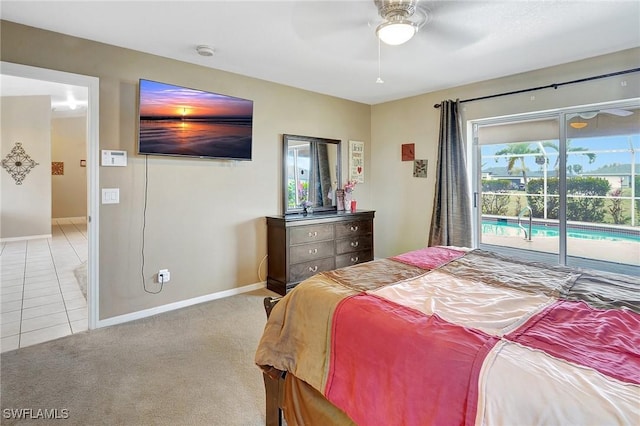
(509, 229)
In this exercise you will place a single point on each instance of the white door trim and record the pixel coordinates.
(93, 207)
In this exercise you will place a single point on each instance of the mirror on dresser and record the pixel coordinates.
(312, 173)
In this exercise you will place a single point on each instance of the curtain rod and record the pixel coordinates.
(549, 86)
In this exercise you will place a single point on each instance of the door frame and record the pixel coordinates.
(93, 207)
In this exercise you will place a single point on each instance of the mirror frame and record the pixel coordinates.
(286, 138)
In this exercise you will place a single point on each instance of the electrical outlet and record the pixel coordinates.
(164, 276)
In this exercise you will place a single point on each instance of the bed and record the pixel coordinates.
(447, 335)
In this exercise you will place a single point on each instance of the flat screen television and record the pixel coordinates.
(180, 121)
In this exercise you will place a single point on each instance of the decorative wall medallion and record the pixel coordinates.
(57, 167)
(420, 168)
(18, 163)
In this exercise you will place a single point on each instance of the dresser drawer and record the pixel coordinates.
(353, 258)
(299, 246)
(353, 227)
(306, 252)
(357, 243)
(311, 233)
(301, 271)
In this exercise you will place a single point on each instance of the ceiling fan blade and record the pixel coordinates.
(448, 23)
(342, 29)
(617, 111)
(448, 37)
(316, 19)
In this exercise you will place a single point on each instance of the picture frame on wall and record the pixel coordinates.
(356, 161)
(420, 168)
(57, 168)
(408, 152)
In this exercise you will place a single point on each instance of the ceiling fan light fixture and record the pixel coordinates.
(396, 31)
(578, 124)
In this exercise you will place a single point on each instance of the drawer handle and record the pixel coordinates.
(313, 268)
(313, 251)
(354, 228)
(355, 243)
(313, 234)
(355, 259)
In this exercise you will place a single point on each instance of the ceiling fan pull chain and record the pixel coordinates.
(379, 80)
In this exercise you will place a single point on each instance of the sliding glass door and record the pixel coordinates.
(516, 166)
(561, 187)
(603, 186)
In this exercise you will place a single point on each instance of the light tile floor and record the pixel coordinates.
(41, 298)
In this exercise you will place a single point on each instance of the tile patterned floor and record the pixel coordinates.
(40, 296)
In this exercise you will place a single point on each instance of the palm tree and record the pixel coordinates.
(515, 153)
(554, 146)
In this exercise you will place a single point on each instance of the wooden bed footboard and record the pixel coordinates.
(269, 303)
(274, 382)
(274, 389)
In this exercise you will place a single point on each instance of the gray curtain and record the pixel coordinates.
(451, 219)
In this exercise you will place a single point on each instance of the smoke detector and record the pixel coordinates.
(204, 50)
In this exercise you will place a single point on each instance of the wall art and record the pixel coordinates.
(18, 163)
(420, 168)
(356, 161)
(57, 168)
(408, 152)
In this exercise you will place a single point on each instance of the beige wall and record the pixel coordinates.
(204, 219)
(26, 208)
(69, 145)
(403, 203)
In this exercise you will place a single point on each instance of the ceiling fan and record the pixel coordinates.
(441, 24)
(588, 115)
(400, 24)
(579, 122)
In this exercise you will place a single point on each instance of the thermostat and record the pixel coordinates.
(114, 158)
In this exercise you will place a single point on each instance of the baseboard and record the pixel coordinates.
(30, 237)
(120, 319)
(71, 218)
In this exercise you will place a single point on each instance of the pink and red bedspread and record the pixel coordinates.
(452, 336)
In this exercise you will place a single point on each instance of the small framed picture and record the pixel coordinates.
(408, 152)
(57, 168)
(356, 161)
(83, 163)
(420, 168)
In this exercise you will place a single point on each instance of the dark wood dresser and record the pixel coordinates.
(300, 246)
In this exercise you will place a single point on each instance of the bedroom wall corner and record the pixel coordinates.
(204, 219)
(404, 204)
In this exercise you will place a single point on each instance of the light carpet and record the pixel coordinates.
(193, 366)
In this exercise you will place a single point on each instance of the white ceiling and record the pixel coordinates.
(66, 100)
(330, 46)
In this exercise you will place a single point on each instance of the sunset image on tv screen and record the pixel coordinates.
(176, 120)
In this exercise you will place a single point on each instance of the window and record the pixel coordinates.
(561, 187)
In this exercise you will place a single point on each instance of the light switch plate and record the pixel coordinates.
(110, 195)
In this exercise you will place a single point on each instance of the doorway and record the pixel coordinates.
(88, 229)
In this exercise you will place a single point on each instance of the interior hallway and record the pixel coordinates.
(43, 286)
